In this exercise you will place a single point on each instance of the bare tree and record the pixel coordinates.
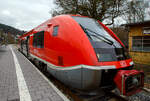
(134, 11)
(98, 9)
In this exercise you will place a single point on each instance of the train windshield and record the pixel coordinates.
(105, 46)
(94, 30)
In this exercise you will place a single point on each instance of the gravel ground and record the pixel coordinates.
(142, 96)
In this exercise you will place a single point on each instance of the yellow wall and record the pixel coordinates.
(138, 57)
(136, 31)
(141, 57)
(130, 43)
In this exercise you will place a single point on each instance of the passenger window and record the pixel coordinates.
(38, 39)
(55, 31)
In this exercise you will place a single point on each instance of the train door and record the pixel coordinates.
(27, 45)
(21, 45)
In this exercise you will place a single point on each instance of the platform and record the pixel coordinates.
(21, 81)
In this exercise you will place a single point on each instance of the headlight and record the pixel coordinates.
(98, 56)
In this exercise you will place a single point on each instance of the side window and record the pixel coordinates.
(55, 30)
(38, 39)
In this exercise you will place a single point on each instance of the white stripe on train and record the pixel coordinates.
(74, 67)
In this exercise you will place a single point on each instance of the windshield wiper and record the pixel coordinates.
(85, 31)
(108, 41)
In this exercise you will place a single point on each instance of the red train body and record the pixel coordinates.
(82, 53)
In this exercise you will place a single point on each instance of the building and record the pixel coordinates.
(139, 42)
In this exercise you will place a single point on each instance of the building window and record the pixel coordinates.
(55, 31)
(141, 43)
(146, 30)
(146, 44)
(38, 39)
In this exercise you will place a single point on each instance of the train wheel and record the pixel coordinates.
(21, 49)
(28, 55)
(44, 67)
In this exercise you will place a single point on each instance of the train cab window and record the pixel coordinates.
(38, 39)
(55, 30)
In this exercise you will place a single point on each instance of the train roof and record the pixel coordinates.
(31, 31)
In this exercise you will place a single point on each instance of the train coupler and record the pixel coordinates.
(129, 82)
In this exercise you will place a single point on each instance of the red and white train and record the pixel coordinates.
(82, 53)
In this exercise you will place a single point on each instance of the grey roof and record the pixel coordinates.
(139, 23)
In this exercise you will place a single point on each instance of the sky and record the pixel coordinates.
(25, 14)
(147, 10)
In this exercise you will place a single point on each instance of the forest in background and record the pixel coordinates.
(8, 34)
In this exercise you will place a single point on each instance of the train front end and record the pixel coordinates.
(111, 53)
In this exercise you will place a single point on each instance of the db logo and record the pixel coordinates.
(123, 64)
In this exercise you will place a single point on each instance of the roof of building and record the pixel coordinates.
(139, 23)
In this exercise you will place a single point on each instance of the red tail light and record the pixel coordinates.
(129, 82)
